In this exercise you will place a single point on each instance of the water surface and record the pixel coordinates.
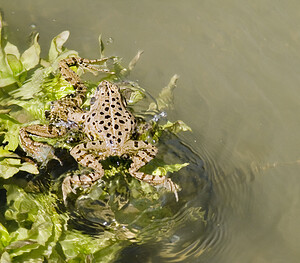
(239, 65)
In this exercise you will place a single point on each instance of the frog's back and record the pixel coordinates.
(108, 119)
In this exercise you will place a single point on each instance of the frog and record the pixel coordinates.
(108, 126)
(57, 117)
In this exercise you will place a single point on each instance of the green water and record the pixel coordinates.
(239, 64)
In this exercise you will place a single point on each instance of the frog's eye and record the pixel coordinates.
(93, 99)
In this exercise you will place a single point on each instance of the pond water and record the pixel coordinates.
(239, 65)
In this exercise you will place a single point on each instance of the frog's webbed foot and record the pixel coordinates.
(41, 152)
(144, 154)
(67, 73)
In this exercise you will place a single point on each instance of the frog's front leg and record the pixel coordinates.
(144, 153)
(41, 152)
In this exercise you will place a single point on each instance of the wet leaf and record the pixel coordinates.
(15, 64)
(5, 258)
(30, 58)
(29, 167)
(101, 46)
(6, 80)
(10, 166)
(163, 170)
(135, 97)
(4, 237)
(165, 98)
(133, 62)
(12, 50)
(56, 46)
(176, 126)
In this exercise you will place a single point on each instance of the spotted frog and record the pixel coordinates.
(108, 126)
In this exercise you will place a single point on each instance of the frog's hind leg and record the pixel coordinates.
(88, 154)
(144, 153)
(41, 152)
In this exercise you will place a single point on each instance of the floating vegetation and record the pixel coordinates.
(35, 225)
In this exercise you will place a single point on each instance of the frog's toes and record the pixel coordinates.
(172, 187)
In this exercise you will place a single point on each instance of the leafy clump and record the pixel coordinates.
(35, 232)
(33, 227)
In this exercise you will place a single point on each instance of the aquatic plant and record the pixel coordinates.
(34, 224)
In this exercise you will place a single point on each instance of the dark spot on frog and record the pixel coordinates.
(106, 108)
(108, 135)
(93, 114)
(116, 126)
(107, 116)
(119, 140)
(122, 121)
(105, 128)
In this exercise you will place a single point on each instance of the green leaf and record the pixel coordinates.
(10, 128)
(30, 58)
(133, 62)
(163, 170)
(12, 50)
(5, 258)
(15, 64)
(101, 46)
(176, 126)
(11, 137)
(10, 164)
(6, 80)
(4, 237)
(165, 98)
(56, 46)
(8, 167)
(135, 97)
(29, 167)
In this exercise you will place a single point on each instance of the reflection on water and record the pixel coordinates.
(239, 64)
